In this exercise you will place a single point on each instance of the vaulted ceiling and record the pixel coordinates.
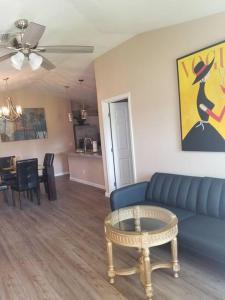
(101, 23)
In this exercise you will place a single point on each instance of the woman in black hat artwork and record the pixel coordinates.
(203, 136)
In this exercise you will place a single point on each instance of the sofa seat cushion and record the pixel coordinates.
(205, 235)
(181, 214)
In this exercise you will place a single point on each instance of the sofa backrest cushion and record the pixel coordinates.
(211, 200)
(174, 190)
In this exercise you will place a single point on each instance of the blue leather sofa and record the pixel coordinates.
(198, 202)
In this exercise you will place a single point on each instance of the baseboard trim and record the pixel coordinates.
(61, 174)
(87, 182)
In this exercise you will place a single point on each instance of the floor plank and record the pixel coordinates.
(57, 251)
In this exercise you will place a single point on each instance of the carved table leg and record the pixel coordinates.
(175, 262)
(137, 224)
(111, 271)
(147, 273)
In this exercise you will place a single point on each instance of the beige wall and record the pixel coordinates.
(60, 136)
(145, 66)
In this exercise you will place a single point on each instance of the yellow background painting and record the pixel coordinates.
(188, 92)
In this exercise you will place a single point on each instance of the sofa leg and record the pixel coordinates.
(175, 262)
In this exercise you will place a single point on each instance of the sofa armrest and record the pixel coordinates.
(128, 195)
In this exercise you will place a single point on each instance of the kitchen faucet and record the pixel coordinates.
(86, 139)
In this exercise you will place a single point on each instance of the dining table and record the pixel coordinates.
(9, 174)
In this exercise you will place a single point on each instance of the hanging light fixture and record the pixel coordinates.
(10, 112)
(83, 111)
(70, 115)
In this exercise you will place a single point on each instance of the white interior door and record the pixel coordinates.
(121, 143)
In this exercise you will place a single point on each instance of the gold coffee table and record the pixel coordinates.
(142, 227)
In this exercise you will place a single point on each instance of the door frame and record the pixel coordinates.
(108, 138)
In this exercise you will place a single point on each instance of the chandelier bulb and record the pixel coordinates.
(19, 109)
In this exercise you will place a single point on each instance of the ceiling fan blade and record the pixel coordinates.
(32, 34)
(67, 49)
(46, 64)
(6, 56)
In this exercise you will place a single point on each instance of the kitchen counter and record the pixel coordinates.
(87, 168)
(86, 154)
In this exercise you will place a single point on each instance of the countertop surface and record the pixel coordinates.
(85, 154)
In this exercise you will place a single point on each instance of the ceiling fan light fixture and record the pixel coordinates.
(35, 61)
(17, 60)
(25, 43)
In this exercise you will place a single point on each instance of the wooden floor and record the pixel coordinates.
(57, 251)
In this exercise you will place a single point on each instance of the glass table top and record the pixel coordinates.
(143, 218)
(146, 225)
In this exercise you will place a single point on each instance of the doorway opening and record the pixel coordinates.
(119, 145)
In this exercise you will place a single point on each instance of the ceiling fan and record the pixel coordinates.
(24, 44)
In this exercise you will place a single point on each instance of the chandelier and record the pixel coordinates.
(10, 112)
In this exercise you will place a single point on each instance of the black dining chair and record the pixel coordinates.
(6, 166)
(26, 179)
(6, 162)
(4, 189)
(47, 164)
(48, 159)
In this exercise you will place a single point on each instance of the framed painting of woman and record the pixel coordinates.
(201, 81)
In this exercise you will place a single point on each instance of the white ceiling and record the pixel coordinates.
(101, 23)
